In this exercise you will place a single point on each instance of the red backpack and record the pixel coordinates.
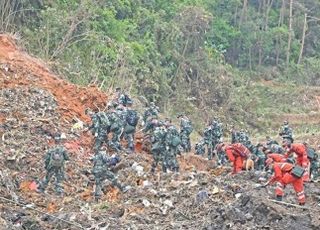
(242, 150)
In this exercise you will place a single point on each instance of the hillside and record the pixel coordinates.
(35, 104)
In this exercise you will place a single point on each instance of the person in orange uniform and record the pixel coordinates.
(283, 176)
(302, 158)
(237, 153)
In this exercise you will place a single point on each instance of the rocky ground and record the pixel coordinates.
(35, 104)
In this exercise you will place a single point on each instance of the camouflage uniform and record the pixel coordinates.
(277, 149)
(100, 127)
(150, 125)
(207, 136)
(216, 134)
(116, 127)
(270, 142)
(259, 156)
(185, 131)
(172, 148)
(124, 100)
(121, 98)
(315, 168)
(130, 127)
(286, 132)
(152, 110)
(158, 147)
(54, 164)
(243, 138)
(101, 171)
(219, 150)
(314, 163)
(234, 136)
(200, 148)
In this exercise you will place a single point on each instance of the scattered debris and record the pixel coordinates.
(35, 105)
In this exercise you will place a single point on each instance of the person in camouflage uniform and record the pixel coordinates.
(273, 146)
(150, 125)
(314, 162)
(216, 134)
(121, 98)
(173, 142)
(131, 122)
(234, 135)
(101, 171)
(207, 137)
(152, 110)
(148, 130)
(258, 156)
(277, 149)
(243, 137)
(117, 95)
(200, 148)
(158, 147)
(270, 141)
(116, 118)
(185, 131)
(100, 126)
(54, 164)
(222, 158)
(286, 132)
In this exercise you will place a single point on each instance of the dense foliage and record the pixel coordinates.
(184, 54)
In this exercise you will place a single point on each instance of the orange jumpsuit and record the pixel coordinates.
(302, 158)
(237, 153)
(283, 176)
(276, 157)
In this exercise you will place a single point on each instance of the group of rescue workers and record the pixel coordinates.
(117, 125)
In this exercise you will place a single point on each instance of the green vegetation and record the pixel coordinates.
(205, 57)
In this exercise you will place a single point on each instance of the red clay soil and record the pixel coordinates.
(20, 69)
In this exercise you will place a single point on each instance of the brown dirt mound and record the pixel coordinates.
(20, 69)
(193, 162)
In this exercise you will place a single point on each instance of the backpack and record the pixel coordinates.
(175, 141)
(297, 171)
(129, 129)
(132, 118)
(311, 153)
(241, 150)
(56, 159)
(116, 122)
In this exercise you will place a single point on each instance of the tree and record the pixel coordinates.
(290, 34)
